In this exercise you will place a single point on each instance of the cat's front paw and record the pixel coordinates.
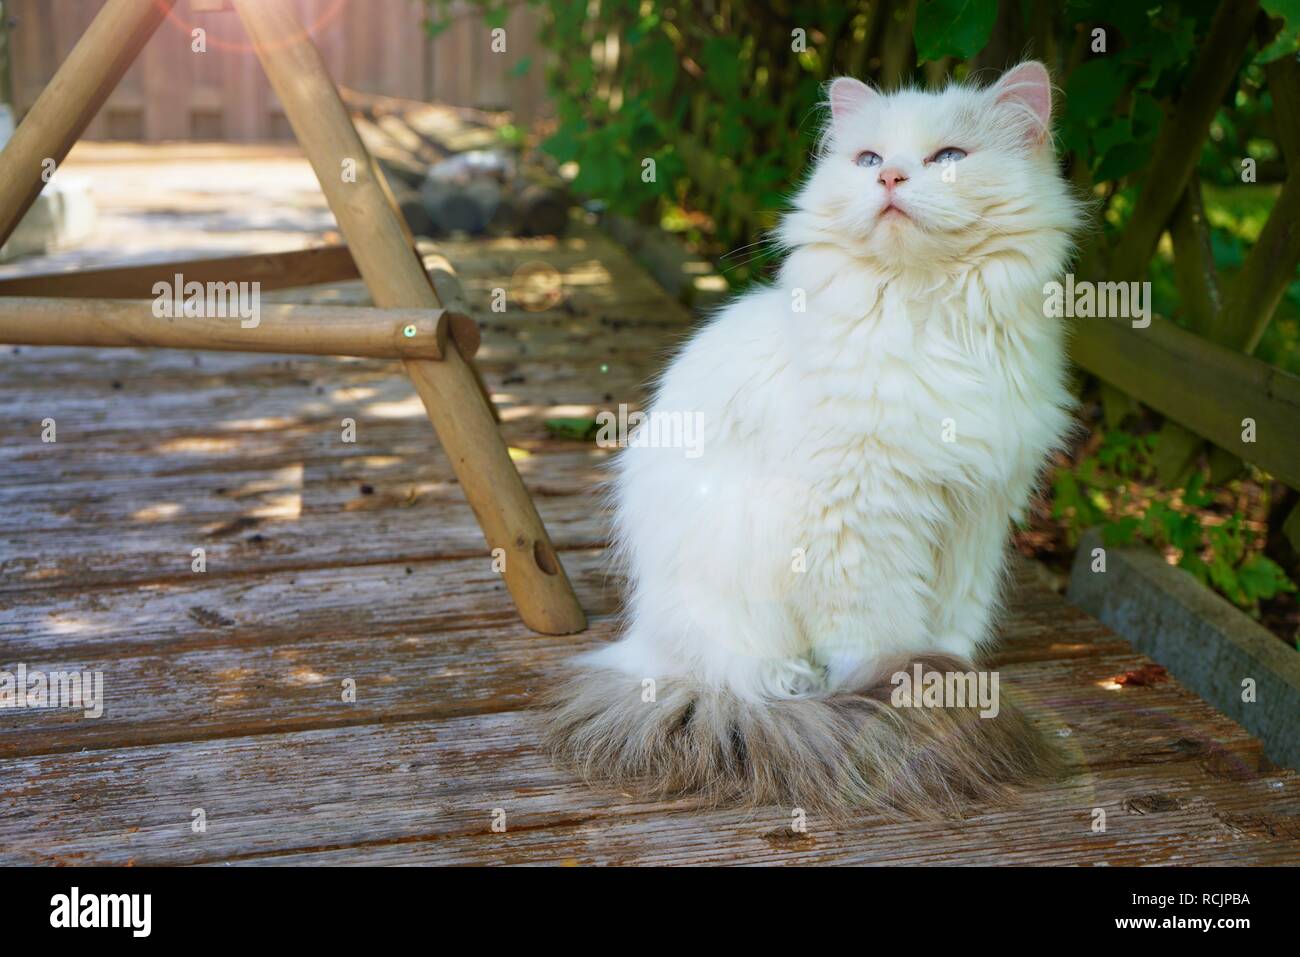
(799, 678)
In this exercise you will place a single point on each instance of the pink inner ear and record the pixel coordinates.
(1030, 85)
(848, 96)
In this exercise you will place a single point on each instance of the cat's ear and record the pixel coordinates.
(847, 96)
(1028, 87)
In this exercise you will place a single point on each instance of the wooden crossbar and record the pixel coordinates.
(287, 270)
(1211, 390)
(270, 327)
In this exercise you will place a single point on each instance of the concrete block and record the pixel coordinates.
(1205, 642)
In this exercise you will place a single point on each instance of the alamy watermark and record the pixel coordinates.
(134, 912)
(77, 690)
(656, 430)
(210, 300)
(1099, 300)
(946, 689)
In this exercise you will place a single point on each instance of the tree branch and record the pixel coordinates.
(1194, 270)
(1268, 270)
(1178, 146)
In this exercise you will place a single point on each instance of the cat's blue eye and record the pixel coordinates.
(868, 158)
(949, 154)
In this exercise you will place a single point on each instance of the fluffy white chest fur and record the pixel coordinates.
(872, 424)
(862, 460)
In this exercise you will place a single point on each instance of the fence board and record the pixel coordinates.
(1204, 387)
(376, 46)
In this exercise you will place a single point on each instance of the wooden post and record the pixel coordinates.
(384, 253)
(271, 327)
(71, 99)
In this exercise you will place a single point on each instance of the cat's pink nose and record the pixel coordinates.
(890, 177)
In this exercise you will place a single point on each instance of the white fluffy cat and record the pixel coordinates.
(873, 423)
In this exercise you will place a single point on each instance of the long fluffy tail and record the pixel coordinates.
(850, 750)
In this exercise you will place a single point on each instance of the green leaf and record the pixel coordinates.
(1288, 39)
(1114, 534)
(657, 63)
(580, 429)
(1163, 43)
(1069, 497)
(563, 146)
(1261, 577)
(721, 61)
(957, 28)
(1121, 160)
(1113, 132)
(602, 169)
(1192, 562)
(1153, 521)
(1147, 117)
(1093, 89)
(1183, 531)
(1224, 578)
(1195, 494)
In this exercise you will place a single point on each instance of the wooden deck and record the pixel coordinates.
(329, 561)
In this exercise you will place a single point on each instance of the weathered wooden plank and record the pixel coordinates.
(252, 396)
(542, 379)
(266, 683)
(587, 271)
(251, 686)
(312, 483)
(196, 660)
(234, 439)
(85, 556)
(370, 600)
(380, 784)
(1151, 820)
(260, 445)
(346, 602)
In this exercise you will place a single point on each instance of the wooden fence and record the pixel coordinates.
(375, 46)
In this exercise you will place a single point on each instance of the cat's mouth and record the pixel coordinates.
(892, 211)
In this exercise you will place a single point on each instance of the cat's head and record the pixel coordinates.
(924, 179)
